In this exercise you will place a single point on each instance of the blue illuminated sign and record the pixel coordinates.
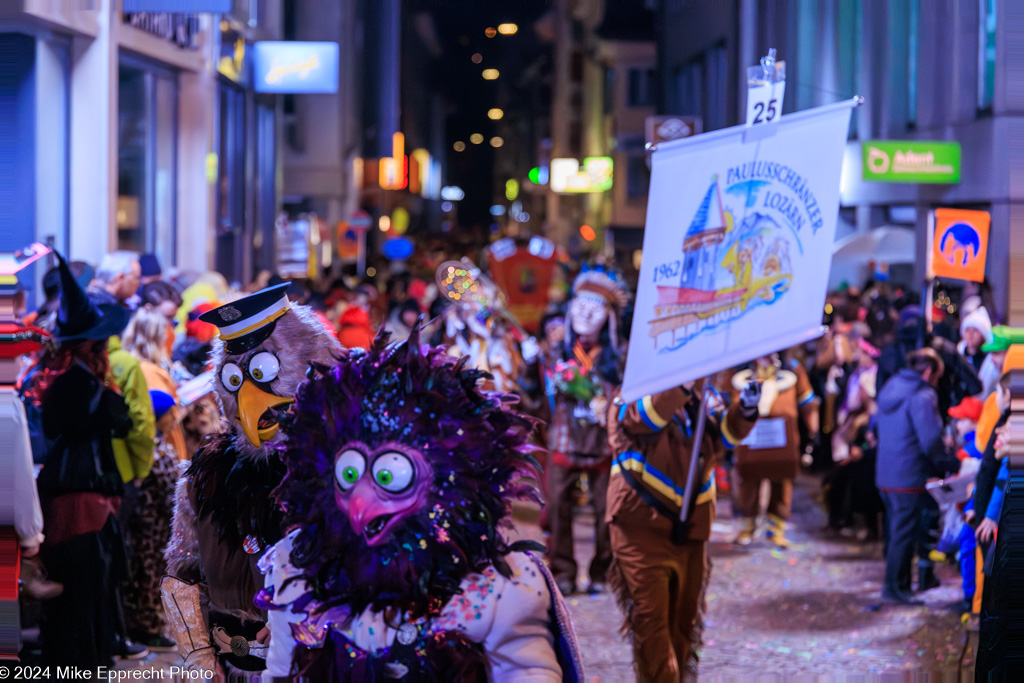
(295, 67)
(177, 6)
(399, 249)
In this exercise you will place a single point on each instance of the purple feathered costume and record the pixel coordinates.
(407, 429)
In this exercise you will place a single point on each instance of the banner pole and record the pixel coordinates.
(928, 292)
(698, 439)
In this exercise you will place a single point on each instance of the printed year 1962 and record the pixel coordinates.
(666, 271)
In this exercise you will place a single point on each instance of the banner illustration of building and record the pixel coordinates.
(726, 269)
(737, 248)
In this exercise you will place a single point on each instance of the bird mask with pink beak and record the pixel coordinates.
(401, 474)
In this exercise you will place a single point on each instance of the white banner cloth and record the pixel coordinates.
(737, 248)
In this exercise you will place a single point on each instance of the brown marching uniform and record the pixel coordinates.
(659, 583)
(778, 465)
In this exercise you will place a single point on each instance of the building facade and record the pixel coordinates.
(603, 90)
(131, 131)
(928, 71)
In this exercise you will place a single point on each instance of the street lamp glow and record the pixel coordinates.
(477, 58)
(452, 193)
(495, 114)
(507, 29)
(490, 32)
(476, 138)
(497, 142)
(490, 74)
(459, 146)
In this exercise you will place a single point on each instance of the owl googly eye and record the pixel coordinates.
(264, 366)
(348, 468)
(394, 472)
(231, 377)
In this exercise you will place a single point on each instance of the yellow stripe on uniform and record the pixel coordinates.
(728, 439)
(647, 410)
(255, 326)
(709, 489)
(649, 479)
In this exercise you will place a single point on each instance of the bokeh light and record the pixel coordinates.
(459, 146)
(490, 74)
(507, 29)
(384, 223)
(476, 138)
(490, 32)
(371, 271)
(497, 141)
(495, 114)
(477, 58)
(588, 233)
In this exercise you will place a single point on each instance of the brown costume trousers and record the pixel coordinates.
(662, 585)
(561, 486)
(779, 501)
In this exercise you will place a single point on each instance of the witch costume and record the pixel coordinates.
(80, 490)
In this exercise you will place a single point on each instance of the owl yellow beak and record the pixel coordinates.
(253, 402)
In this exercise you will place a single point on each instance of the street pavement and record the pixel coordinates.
(772, 614)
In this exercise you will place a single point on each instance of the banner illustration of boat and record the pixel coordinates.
(725, 269)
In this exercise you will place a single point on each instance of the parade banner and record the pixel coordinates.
(737, 247)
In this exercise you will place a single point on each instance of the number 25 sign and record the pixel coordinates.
(766, 90)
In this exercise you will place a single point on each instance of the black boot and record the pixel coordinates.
(926, 579)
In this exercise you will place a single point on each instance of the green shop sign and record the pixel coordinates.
(906, 161)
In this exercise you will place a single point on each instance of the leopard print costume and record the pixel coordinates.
(148, 533)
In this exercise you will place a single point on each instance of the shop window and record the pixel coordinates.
(849, 32)
(638, 176)
(986, 53)
(146, 164)
(231, 179)
(609, 90)
(716, 75)
(641, 88)
(912, 46)
(688, 82)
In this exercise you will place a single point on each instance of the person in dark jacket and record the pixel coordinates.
(80, 486)
(910, 452)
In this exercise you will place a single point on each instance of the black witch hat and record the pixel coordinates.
(78, 318)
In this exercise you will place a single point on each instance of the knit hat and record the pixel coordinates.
(149, 265)
(970, 304)
(196, 328)
(979, 320)
(162, 402)
(969, 408)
